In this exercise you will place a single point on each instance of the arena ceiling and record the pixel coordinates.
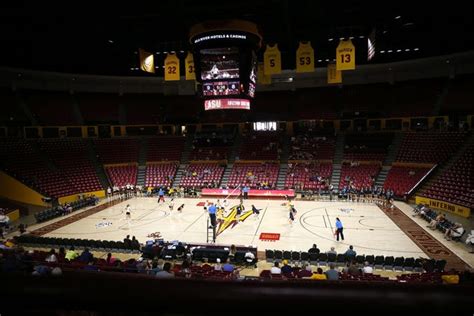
(91, 39)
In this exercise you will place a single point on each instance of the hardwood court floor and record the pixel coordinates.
(366, 227)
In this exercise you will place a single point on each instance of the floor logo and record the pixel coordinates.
(231, 219)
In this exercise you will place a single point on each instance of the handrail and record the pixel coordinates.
(422, 179)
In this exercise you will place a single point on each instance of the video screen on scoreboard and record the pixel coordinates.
(219, 88)
(219, 63)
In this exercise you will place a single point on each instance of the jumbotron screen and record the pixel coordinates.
(226, 66)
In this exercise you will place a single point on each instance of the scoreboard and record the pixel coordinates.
(225, 62)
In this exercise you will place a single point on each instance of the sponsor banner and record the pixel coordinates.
(232, 192)
(444, 206)
(225, 104)
(269, 237)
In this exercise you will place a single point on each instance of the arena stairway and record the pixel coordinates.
(440, 100)
(393, 149)
(282, 175)
(142, 161)
(382, 176)
(187, 149)
(285, 152)
(76, 111)
(226, 174)
(99, 168)
(179, 174)
(337, 165)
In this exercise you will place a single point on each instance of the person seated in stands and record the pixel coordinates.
(286, 269)
(305, 271)
(436, 221)
(127, 241)
(352, 268)
(91, 266)
(228, 267)
(86, 256)
(470, 240)
(166, 272)
(110, 260)
(332, 251)
(367, 269)
(350, 252)
(218, 265)
(249, 257)
(232, 252)
(205, 265)
(319, 275)
(276, 268)
(135, 243)
(454, 231)
(332, 274)
(61, 254)
(52, 256)
(180, 250)
(71, 254)
(314, 249)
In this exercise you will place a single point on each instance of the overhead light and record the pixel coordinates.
(382, 52)
(156, 67)
(361, 36)
(352, 37)
(111, 41)
(327, 60)
(181, 51)
(158, 53)
(165, 52)
(398, 17)
(330, 39)
(290, 79)
(389, 51)
(131, 68)
(162, 66)
(341, 38)
(334, 59)
(409, 24)
(416, 49)
(320, 60)
(172, 52)
(136, 53)
(407, 50)
(385, 32)
(447, 61)
(399, 50)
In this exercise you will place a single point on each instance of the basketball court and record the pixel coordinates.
(366, 227)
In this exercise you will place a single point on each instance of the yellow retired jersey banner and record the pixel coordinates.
(147, 62)
(171, 67)
(262, 78)
(334, 75)
(345, 56)
(190, 71)
(305, 57)
(272, 60)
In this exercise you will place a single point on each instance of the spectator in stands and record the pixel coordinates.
(305, 271)
(350, 253)
(455, 231)
(249, 257)
(127, 241)
(135, 244)
(86, 256)
(286, 269)
(319, 275)
(367, 269)
(91, 266)
(353, 269)
(332, 251)
(61, 253)
(232, 252)
(71, 254)
(314, 249)
(436, 221)
(205, 265)
(218, 265)
(470, 241)
(228, 267)
(52, 256)
(332, 274)
(276, 268)
(166, 272)
(110, 260)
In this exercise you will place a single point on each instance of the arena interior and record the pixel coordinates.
(171, 159)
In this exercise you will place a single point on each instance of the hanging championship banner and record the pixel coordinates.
(261, 77)
(345, 56)
(147, 62)
(305, 57)
(334, 75)
(171, 67)
(272, 60)
(189, 62)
